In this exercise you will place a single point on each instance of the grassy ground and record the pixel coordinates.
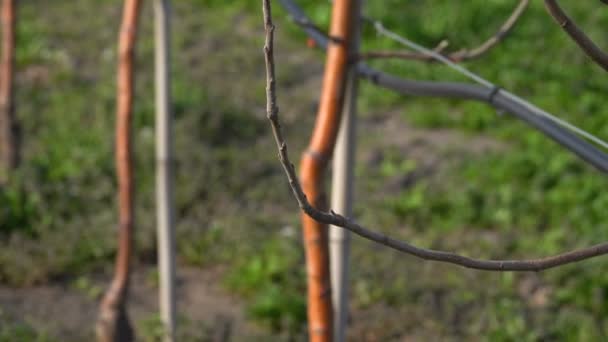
(445, 174)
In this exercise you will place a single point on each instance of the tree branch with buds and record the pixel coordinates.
(462, 54)
(332, 218)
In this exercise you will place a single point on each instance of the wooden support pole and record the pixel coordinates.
(342, 190)
(9, 154)
(164, 169)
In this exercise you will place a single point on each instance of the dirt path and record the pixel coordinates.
(67, 309)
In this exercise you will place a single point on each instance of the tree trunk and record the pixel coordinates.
(9, 153)
(313, 165)
(113, 323)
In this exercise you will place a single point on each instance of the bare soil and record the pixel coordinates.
(67, 312)
(66, 308)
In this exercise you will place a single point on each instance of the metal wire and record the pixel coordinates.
(586, 150)
(380, 29)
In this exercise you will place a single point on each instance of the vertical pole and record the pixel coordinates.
(8, 129)
(342, 188)
(164, 171)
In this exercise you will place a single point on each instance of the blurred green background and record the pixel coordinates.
(440, 173)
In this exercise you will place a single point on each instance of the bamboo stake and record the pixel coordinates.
(113, 322)
(341, 202)
(313, 164)
(164, 171)
(342, 189)
(8, 125)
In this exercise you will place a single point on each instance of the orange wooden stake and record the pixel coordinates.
(113, 323)
(8, 129)
(312, 168)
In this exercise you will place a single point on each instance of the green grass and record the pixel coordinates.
(11, 330)
(529, 199)
(540, 196)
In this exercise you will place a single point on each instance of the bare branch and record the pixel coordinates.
(579, 37)
(332, 218)
(463, 54)
(582, 148)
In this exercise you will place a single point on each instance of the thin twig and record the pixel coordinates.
(346, 223)
(585, 150)
(489, 85)
(579, 37)
(460, 55)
